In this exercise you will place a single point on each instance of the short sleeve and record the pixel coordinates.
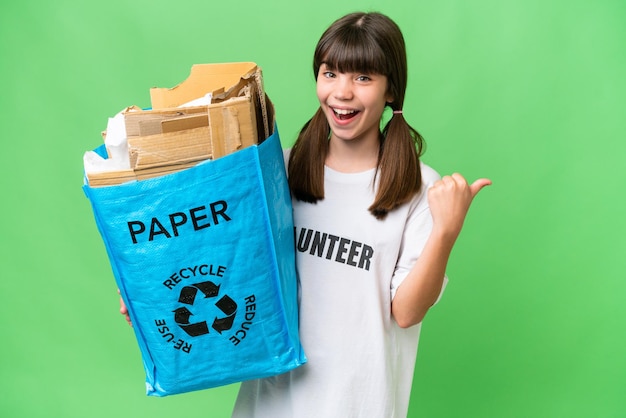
(418, 226)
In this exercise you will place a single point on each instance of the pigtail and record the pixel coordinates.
(399, 172)
(307, 158)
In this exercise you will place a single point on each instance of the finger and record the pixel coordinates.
(458, 178)
(478, 185)
(448, 181)
(123, 308)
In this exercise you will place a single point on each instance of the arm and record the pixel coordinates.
(449, 200)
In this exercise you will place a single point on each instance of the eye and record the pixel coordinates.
(328, 74)
(363, 78)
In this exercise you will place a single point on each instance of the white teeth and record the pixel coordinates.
(344, 111)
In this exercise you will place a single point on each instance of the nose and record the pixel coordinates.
(343, 88)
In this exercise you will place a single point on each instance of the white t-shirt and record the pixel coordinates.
(360, 362)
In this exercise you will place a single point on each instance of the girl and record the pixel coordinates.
(374, 230)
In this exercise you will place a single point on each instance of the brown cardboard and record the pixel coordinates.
(227, 127)
(150, 122)
(228, 133)
(184, 122)
(203, 79)
(170, 148)
(108, 178)
(224, 81)
(168, 138)
(232, 119)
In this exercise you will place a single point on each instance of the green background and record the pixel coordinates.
(530, 93)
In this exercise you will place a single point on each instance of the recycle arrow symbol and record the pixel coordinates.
(188, 293)
(210, 290)
(181, 316)
(229, 307)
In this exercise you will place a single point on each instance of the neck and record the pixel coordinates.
(352, 156)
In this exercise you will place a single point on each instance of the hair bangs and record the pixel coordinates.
(352, 50)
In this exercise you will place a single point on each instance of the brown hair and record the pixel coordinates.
(370, 43)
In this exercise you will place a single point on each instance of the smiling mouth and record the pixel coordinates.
(344, 114)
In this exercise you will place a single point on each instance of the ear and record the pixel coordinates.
(389, 97)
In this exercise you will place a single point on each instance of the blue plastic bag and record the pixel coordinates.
(204, 260)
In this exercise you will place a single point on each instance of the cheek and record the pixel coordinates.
(321, 93)
(379, 105)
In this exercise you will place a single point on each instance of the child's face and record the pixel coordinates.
(352, 102)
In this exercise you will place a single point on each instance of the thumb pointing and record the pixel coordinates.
(478, 185)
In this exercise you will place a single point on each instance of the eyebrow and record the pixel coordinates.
(336, 69)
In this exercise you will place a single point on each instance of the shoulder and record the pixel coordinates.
(286, 153)
(429, 175)
(419, 203)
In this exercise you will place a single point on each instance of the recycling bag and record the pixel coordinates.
(204, 260)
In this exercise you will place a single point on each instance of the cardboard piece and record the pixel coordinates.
(223, 81)
(167, 138)
(203, 79)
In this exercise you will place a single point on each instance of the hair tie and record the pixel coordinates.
(397, 112)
